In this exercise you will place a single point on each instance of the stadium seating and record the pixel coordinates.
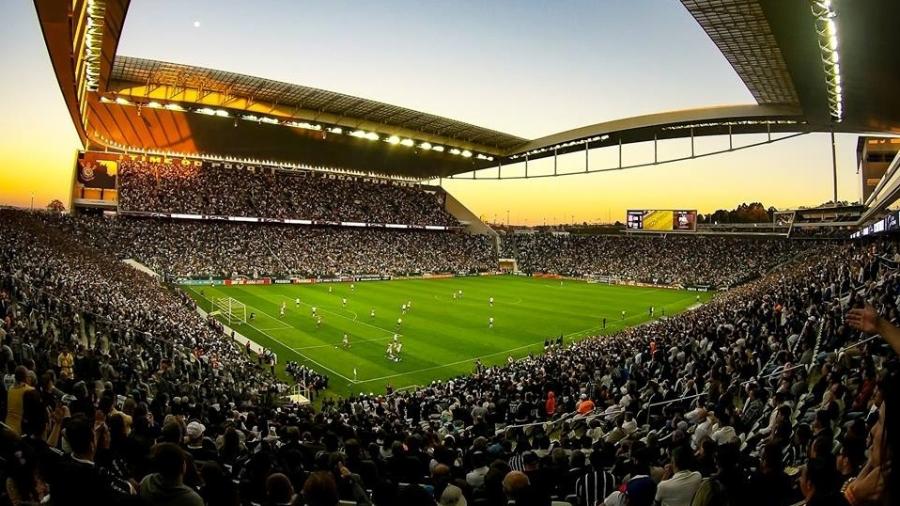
(743, 398)
(669, 260)
(203, 249)
(206, 189)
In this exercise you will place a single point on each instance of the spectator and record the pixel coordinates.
(682, 483)
(166, 486)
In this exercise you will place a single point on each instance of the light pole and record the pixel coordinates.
(507, 218)
(32, 201)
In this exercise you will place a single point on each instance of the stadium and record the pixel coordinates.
(261, 292)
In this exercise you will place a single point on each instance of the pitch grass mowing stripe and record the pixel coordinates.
(441, 336)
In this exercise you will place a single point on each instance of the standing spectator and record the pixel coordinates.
(166, 486)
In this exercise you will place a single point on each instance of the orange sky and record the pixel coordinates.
(38, 142)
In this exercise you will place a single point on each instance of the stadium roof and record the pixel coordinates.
(345, 108)
(811, 65)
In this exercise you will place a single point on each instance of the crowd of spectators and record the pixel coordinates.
(204, 249)
(304, 375)
(771, 393)
(670, 260)
(205, 188)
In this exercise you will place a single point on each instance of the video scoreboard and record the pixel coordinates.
(662, 220)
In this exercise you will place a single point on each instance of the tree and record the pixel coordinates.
(56, 206)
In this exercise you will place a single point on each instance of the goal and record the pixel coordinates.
(231, 308)
(600, 278)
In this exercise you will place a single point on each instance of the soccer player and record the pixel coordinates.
(398, 347)
(454, 295)
(318, 321)
(604, 323)
(650, 311)
(698, 299)
(352, 287)
(460, 294)
(390, 351)
(346, 341)
(396, 337)
(399, 322)
(329, 289)
(623, 314)
(282, 310)
(491, 301)
(403, 309)
(491, 322)
(372, 313)
(344, 302)
(409, 305)
(297, 301)
(313, 309)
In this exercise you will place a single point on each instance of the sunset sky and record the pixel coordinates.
(529, 68)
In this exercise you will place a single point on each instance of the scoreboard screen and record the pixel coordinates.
(662, 220)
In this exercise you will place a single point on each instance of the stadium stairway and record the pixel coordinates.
(470, 221)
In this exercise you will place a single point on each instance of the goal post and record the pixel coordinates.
(233, 309)
(508, 265)
(600, 278)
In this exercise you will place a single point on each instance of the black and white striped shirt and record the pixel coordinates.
(594, 486)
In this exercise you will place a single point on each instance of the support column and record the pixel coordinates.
(834, 165)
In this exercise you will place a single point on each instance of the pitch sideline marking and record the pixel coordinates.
(270, 336)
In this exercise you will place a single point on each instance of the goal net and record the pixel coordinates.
(233, 309)
(600, 278)
(508, 265)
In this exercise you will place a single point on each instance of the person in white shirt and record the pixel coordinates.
(705, 427)
(680, 487)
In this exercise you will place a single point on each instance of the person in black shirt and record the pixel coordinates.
(78, 480)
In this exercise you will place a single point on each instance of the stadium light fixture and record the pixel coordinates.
(425, 145)
(408, 143)
(250, 117)
(372, 136)
(336, 130)
(454, 151)
(95, 14)
(303, 124)
(393, 140)
(466, 153)
(271, 121)
(207, 111)
(222, 113)
(826, 29)
(154, 105)
(173, 107)
(122, 101)
(439, 149)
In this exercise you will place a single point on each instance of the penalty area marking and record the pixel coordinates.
(279, 341)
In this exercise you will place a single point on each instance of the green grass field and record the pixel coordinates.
(441, 336)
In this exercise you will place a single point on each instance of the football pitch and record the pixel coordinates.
(442, 336)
